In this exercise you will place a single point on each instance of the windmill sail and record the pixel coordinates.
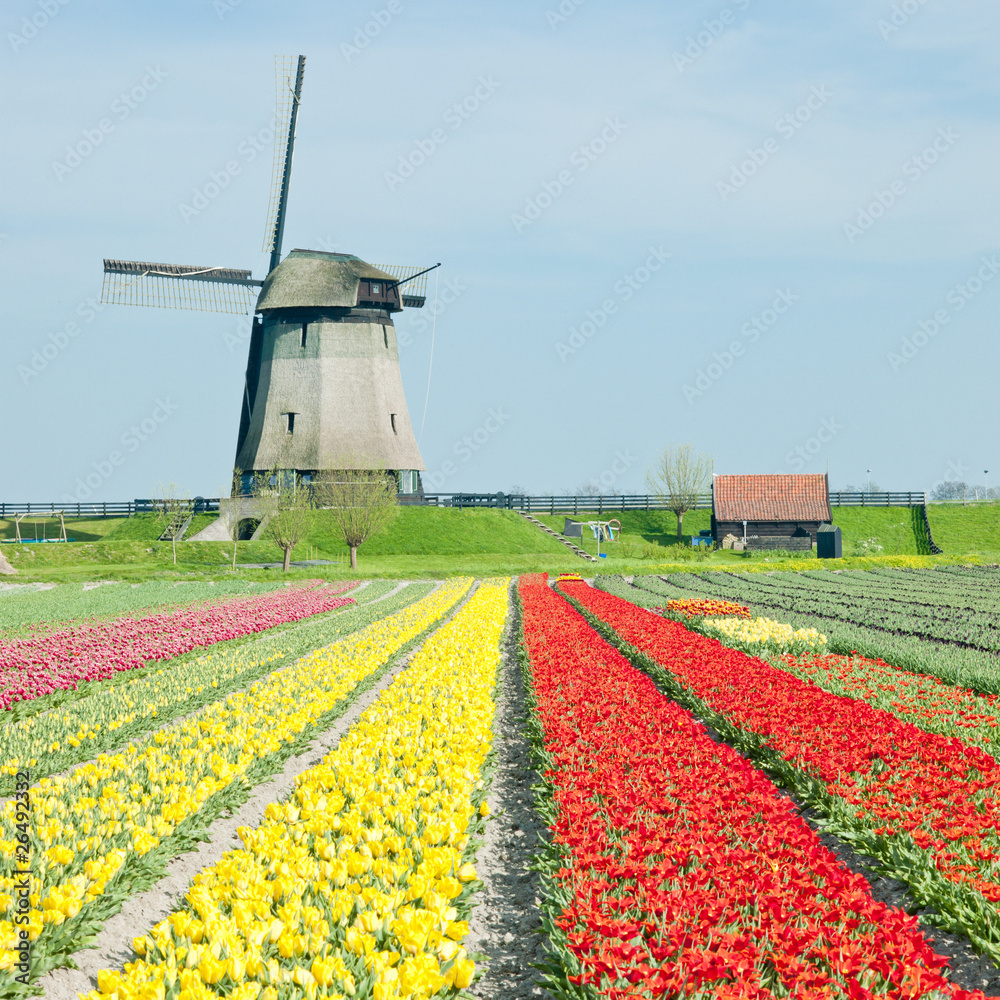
(178, 286)
(289, 93)
(412, 281)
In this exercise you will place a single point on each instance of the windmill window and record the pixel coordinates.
(392, 420)
(289, 422)
(305, 328)
(376, 288)
(385, 335)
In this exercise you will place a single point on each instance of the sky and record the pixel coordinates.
(762, 227)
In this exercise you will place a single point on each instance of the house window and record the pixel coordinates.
(289, 422)
(305, 327)
(392, 420)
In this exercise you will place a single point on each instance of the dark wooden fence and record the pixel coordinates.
(123, 508)
(555, 504)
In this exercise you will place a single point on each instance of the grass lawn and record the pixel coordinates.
(436, 542)
(974, 528)
(891, 526)
(82, 529)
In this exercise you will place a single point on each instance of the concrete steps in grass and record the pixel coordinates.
(179, 523)
(575, 549)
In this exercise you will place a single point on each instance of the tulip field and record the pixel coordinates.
(724, 791)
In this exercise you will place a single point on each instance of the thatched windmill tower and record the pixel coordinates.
(322, 390)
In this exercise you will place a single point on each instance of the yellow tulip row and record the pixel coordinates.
(350, 886)
(42, 742)
(764, 634)
(86, 825)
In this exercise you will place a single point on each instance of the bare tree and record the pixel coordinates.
(173, 512)
(950, 490)
(680, 476)
(362, 503)
(289, 522)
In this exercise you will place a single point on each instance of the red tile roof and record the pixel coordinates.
(771, 498)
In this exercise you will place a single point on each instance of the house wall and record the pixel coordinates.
(770, 529)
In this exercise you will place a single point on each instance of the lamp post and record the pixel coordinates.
(869, 481)
(986, 473)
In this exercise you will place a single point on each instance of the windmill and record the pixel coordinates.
(322, 389)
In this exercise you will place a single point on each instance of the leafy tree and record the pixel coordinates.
(362, 503)
(289, 521)
(680, 477)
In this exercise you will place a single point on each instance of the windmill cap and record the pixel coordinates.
(314, 279)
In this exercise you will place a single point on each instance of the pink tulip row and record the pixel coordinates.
(36, 665)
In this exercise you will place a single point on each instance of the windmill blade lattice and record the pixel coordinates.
(178, 286)
(288, 72)
(413, 291)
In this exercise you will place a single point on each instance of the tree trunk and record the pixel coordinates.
(288, 561)
(235, 543)
(354, 557)
(680, 522)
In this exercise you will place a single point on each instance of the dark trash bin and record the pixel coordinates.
(828, 542)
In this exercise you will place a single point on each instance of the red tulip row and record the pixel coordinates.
(924, 700)
(685, 872)
(896, 778)
(35, 665)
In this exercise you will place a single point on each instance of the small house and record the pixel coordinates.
(771, 512)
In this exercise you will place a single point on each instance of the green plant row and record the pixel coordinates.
(892, 604)
(973, 668)
(141, 871)
(52, 741)
(944, 904)
(35, 706)
(69, 601)
(883, 694)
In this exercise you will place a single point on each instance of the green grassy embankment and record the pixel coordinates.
(968, 529)
(79, 529)
(438, 542)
